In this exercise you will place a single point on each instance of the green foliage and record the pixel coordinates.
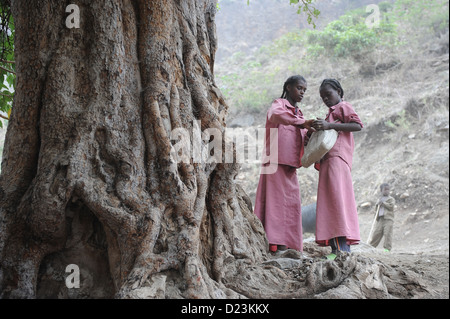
(305, 6)
(385, 6)
(249, 88)
(283, 44)
(7, 65)
(348, 36)
(399, 121)
(424, 13)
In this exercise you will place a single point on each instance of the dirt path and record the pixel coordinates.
(420, 253)
(421, 244)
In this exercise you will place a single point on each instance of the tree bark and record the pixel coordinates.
(89, 170)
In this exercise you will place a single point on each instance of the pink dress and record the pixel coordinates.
(336, 214)
(278, 202)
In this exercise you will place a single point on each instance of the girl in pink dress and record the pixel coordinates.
(278, 203)
(336, 216)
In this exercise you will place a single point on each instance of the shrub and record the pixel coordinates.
(349, 35)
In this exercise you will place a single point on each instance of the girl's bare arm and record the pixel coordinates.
(321, 125)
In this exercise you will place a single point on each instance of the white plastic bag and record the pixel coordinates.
(318, 145)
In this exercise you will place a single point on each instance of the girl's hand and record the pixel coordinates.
(321, 125)
(308, 125)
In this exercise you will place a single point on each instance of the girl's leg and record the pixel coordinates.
(339, 244)
(274, 248)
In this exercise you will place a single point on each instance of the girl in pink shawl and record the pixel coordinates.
(336, 216)
(277, 202)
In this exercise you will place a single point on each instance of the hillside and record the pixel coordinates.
(399, 87)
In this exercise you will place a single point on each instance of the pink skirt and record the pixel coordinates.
(278, 206)
(336, 214)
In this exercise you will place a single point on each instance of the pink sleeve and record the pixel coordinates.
(348, 114)
(278, 114)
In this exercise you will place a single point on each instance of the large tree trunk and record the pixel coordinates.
(89, 175)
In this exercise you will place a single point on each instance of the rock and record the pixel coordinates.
(365, 205)
(291, 253)
(404, 195)
(362, 247)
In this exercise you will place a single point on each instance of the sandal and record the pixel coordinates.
(275, 248)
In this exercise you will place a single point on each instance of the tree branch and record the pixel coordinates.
(8, 70)
(6, 61)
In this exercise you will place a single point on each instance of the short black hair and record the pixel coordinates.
(334, 84)
(291, 80)
(383, 186)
